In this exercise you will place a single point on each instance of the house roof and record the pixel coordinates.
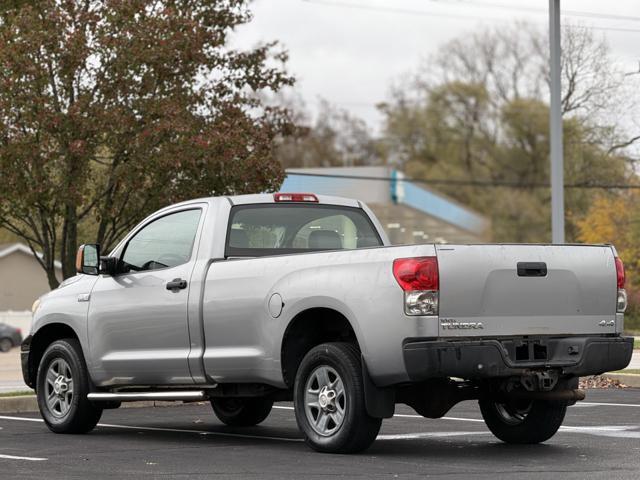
(9, 248)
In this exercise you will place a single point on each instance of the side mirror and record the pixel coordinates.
(88, 259)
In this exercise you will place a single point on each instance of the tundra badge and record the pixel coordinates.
(451, 324)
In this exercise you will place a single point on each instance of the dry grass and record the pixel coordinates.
(20, 393)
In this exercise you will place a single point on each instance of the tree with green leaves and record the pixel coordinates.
(110, 109)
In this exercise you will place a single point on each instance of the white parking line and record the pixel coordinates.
(174, 430)
(612, 431)
(598, 404)
(200, 432)
(478, 420)
(24, 419)
(403, 415)
(30, 459)
(413, 436)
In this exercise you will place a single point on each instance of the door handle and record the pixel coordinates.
(177, 284)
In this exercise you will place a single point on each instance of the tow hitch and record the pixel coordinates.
(543, 385)
(544, 381)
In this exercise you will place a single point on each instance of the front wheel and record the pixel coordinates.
(329, 400)
(62, 388)
(523, 422)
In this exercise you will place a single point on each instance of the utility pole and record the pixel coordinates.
(555, 127)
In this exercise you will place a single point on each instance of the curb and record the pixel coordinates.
(629, 379)
(26, 403)
(29, 403)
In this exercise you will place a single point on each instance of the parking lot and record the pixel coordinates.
(600, 439)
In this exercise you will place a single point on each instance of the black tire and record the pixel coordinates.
(523, 423)
(242, 412)
(6, 344)
(356, 430)
(82, 415)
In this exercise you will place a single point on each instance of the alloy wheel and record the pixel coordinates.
(325, 400)
(59, 387)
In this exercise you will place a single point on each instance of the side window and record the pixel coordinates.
(166, 242)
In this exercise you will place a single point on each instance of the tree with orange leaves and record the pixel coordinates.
(615, 219)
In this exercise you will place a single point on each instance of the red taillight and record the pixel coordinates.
(620, 272)
(295, 197)
(419, 273)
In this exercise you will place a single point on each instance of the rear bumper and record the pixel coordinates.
(469, 359)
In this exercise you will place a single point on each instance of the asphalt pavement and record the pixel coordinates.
(600, 439)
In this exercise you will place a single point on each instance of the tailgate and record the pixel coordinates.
(483, 292)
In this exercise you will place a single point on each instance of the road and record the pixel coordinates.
(600, 439)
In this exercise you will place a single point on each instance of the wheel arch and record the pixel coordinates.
(308, 328)
(37, 344)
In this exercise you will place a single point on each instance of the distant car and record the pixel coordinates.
(9, 337)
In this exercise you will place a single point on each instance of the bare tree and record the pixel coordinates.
(335, 138)
(512, 63)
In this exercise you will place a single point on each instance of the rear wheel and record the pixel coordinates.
(5, 344)
(62, 388)
(523, 421)
(329, 400)
(242, 412)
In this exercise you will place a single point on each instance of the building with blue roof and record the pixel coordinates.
(410, 213)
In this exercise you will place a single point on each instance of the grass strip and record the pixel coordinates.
(19, 393)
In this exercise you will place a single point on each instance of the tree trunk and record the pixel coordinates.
(69, 245)
(48, 263)
(51, 277)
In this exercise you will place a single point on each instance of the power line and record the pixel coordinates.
(469, 183)
(404, 11)
(568, 13)
(455, 16)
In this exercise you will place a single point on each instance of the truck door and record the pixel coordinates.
(138, 324)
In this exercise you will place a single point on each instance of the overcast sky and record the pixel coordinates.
(350, 55)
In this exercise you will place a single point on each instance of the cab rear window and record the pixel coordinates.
(276, 229)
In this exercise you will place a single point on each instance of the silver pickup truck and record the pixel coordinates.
(247, 300)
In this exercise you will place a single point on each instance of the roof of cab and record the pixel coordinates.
(262, 198)
(269, 198)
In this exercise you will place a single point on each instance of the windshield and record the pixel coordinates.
(276, 229)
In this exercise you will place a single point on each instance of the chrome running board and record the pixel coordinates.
(168, 395)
